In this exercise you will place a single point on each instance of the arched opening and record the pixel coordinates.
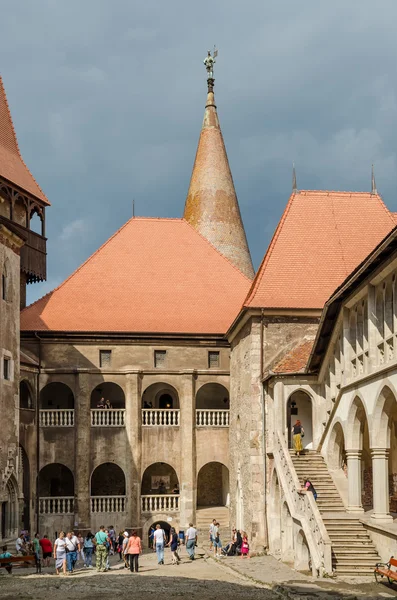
(164, 525)
(213, 485)
(56, 480)
(159, 478)
(385, 436)
(275, 516)
(35, 223)
(287, 535)
(336, 449)
(108, 391)
(108, 479)
(358, 439)
(161, 396)
(9, 510)
(25, 395)
(56, 396)
(212, 396)
(302, 554)
(299, 406)
(6, 292)
(24, 483)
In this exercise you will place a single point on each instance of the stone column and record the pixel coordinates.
(380, 484)
(354, 480)
(188, 478)
(82, 462)
(133, 422)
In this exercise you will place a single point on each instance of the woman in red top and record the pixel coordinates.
(46, 547)
(133, 550)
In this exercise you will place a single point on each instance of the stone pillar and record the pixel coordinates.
(188, 478)
(82, 462)
(380, 478)
(354, 481)
(133, 424)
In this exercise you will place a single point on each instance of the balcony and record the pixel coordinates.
(33, 252)
(160, 503)
(212, 418)
(153, 417)
(108, 504)
(60, 417)
(110, 417)
(55, 505)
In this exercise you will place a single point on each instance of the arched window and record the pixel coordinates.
(108, 479)
(160, 395)
(213, 485)
(212, 396)
(25, 395)
(56, 480)
(108, 391)
(56, 396)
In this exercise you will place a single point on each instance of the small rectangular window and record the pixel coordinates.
(213, 360)
(105, 358)
(159, 358)
(6, 368)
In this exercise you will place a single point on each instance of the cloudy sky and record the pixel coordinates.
(108, 96)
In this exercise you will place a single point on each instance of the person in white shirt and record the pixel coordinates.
(191, 540)
(159, 543)
(19, 545)
(211, 532)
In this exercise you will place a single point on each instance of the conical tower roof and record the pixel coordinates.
(211, 204)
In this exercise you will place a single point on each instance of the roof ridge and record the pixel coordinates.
(3, 92)
(80, 267)
(216, 249)
(140, 218)
(262, 267)
(350, 192)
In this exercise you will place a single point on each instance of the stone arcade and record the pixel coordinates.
(205, 366)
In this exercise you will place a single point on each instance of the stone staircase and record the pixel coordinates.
(204, 516)
(353, 552)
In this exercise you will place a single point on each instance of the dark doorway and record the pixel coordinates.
(166, 401)
(164, 525)
(3, 519)
(25, 489)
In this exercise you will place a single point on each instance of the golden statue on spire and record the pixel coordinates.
(209, 62)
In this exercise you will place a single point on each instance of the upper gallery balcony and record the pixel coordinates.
(33, 252)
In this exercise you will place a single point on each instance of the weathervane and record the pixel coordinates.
(209, 62)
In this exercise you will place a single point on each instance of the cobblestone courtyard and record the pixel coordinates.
(205, 579)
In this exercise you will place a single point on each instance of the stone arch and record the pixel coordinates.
(56, 480)
(212, 396)
(287, 534)
(357, 438)
(6, 282)
(382, 417)
(336, 451)
(160, 395)
(152, 522)
(300, 406)
(10, 509)
(25, 395)
(275, 515)
(108, 479)
(159, 478)
(108, 391)
(56, 395)
(302, 553)
(213, 485)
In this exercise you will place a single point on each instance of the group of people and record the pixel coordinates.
(237, 546)
(102, 403)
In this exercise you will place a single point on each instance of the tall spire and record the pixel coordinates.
(294, 186)
(211, 205)
(373, 182)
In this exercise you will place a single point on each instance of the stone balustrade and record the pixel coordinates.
(108, 504)
(160, 503)
(110, 417)
(56, 505)
(154, 417)
(212, 418)
(303, 508)
(61, 417)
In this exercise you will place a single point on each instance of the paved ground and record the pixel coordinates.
(261, 578)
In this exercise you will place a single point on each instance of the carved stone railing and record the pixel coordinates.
(62, 417)
(56, 505)
(110, 417)
(212, 418)
(154, 417)
(303, 508)
(108, 504)
(160, 503)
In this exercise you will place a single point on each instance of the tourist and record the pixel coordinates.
(120, 540)
(176, 489)
(217, 541)
(20, 544)
(125, 542)
(101, 403)
(298, 434)
(309, 487)
(107, 404)
(46, 547)
(108, 545)
(174, 543)
(151, 537)
(88, 546)
(162, 489)
(211, 533)
(113, 541)
(228, 549)
(36, 546)
(191, 541)
(60, 553)
(158, 543)
(6, 554)
(101, 551)
(72, 547)
(245, 548)
(134, 549)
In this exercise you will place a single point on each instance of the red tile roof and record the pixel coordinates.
(322, 236)
(153, 275)
(12, 166)
(295, 361)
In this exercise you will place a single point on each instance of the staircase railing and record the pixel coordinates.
(303, 508)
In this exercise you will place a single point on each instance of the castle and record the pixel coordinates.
(205, 366)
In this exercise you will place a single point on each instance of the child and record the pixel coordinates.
(245, 549)
(6, 554)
